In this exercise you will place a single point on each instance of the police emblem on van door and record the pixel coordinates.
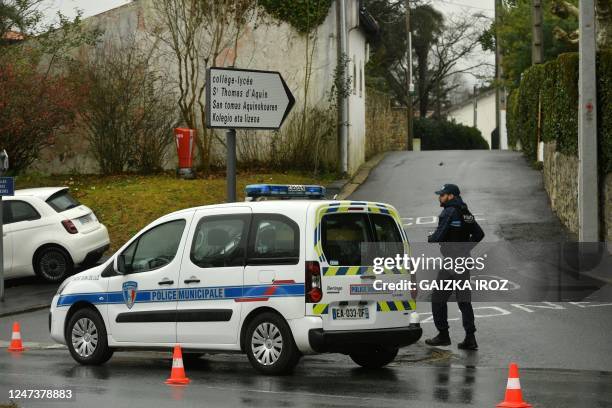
(129, 293)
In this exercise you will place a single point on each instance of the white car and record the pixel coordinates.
(47, 232)
(272, 279)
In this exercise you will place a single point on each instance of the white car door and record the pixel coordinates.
(209, 307)
(23, 227)
(7, 241)
(143, 293)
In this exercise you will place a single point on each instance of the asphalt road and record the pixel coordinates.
(562, 348)
(137, 380)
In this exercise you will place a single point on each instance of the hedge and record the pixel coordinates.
(438, 134)
(554, 87)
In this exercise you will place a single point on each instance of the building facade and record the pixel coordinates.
(479, 112)
(264, 44)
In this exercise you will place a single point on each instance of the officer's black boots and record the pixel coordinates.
(442, 339)
(469, 343)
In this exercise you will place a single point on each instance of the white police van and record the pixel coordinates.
(274, 279)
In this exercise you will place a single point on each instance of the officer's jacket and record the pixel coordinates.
(456, 224)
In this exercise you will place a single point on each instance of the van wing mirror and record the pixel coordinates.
(120, 266)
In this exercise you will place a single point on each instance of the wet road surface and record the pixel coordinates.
(137, 380)
(563, 349)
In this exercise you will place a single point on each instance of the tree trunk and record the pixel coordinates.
(604, 24)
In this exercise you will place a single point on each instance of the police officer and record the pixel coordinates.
(457, 232)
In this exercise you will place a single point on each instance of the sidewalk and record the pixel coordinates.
(26, 295)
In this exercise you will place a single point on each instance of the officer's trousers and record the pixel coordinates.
(439, 308)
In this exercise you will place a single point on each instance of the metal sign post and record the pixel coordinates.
(244, 99)
(231, 165)
(7, 187)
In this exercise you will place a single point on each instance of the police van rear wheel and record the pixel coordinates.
(86, 338)
(375, 357)
(270, 346)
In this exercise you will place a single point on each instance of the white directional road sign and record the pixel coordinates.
(241, 98)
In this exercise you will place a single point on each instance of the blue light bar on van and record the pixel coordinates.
(285, 191)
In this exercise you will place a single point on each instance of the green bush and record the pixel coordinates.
(438, 134)
(553, 87)
(302, 15)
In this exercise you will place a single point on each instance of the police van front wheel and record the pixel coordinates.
(270, 346)
(375, 357)
(86, 338)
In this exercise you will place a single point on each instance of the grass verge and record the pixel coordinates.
(127, 203)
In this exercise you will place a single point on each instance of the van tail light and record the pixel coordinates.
(70, 227)
(313, 286)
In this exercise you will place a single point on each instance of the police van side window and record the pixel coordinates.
(155, 248)
(274, 240)
(220, 241)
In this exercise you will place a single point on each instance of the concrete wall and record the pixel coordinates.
(357, 52)
(561, 183)
(265, 44)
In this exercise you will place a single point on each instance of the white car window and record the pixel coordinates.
(16, 211)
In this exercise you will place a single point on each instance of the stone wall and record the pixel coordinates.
(561, 183)
(607, 209)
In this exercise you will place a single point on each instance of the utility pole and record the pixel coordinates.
(537, 38)
(475, 106)
(588, 191)
(409, 84)
(495, 141)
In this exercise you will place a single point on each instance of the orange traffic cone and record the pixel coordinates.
(16, 344)
(514, 394)
(177, 375)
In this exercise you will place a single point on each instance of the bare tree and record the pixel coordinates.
(200, 33)
(456, 53)
(125, 108)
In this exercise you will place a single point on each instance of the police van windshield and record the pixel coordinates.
(344, 234)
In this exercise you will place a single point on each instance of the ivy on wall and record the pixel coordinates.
(552, 89)
(303, 15)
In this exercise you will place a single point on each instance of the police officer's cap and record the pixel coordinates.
(449, 189)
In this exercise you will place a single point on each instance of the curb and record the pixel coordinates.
(346, 187)
(25, 310)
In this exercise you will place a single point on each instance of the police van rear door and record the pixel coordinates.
(350, 235)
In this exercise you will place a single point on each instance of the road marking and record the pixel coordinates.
(546, 305)
(497, 311)
(511, 285)
(430, 219)
(589, 304)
